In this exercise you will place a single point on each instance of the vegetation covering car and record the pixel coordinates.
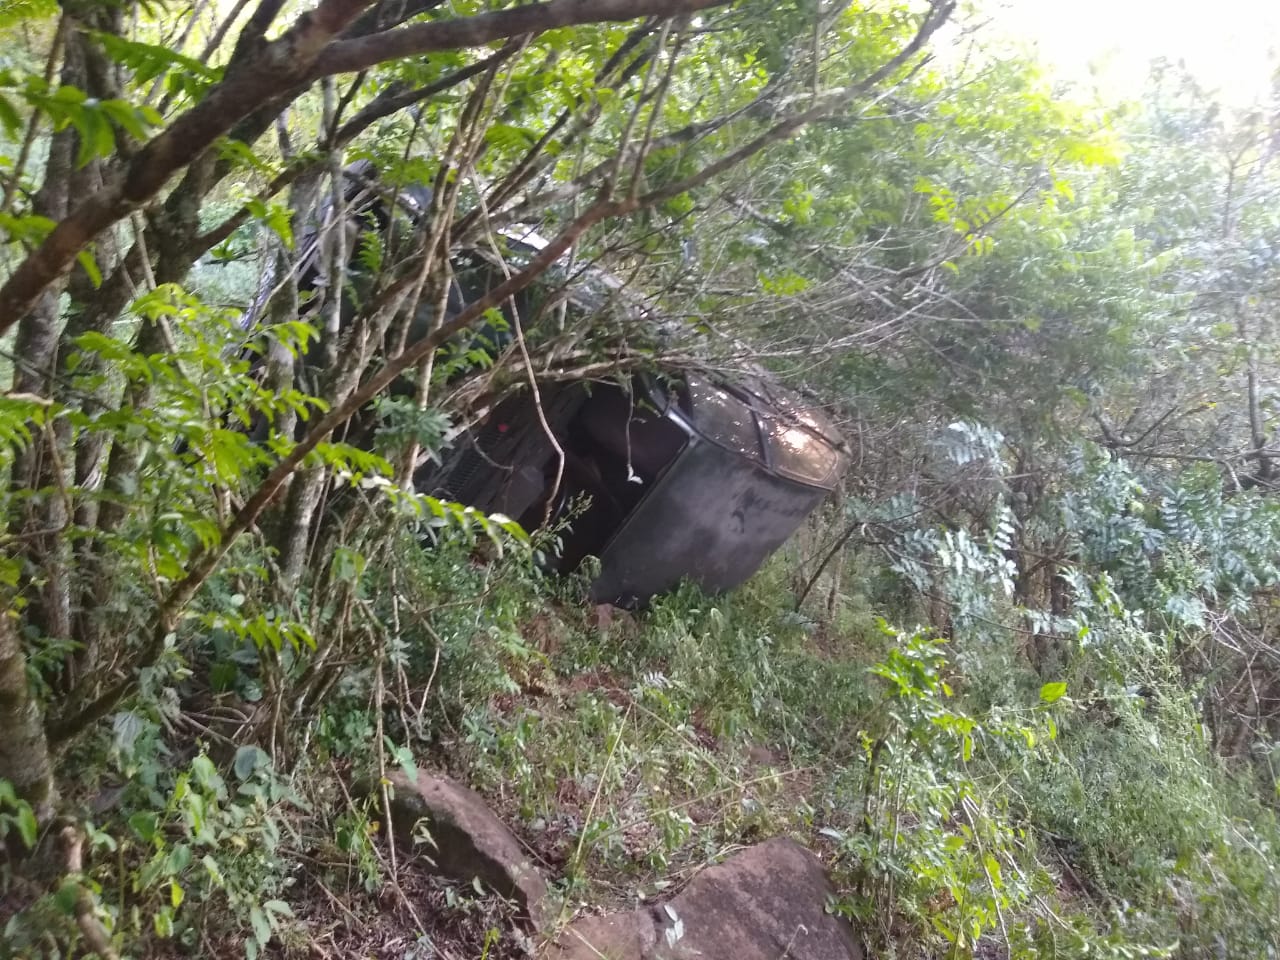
(662, 475)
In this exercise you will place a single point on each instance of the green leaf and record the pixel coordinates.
(9, 118)
(261, 925)
(67, 896)
(27, 825)
(241, 155)
(404, 757)
(178, 860)
(163, 923)
(145, 824)
(205, 772)
(147, 61)
(249, 759)
(212, 868)
(97, 138)
(1052, 692)
(222, 675)
(69, 95)
(30, 229)
(123, 115)
(993, 871)
(90, 266)
(13, 12)
(275, 217)
(10, 571)
(348, 565)
(505, 136)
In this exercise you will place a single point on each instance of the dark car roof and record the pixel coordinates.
(762, 422)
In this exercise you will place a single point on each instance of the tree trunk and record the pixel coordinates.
(24, 751)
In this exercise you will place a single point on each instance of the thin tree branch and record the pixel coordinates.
(347, 56)
(220, 33)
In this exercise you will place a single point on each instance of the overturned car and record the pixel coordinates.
(662, 475)
(697, 479)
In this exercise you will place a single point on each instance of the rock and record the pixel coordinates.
(766, 903)
(619, 936)
(761, 756)
(601, 616)
(470, 841)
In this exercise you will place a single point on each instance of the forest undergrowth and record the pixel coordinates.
(965, 805)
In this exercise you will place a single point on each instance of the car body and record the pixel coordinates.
(682, 476)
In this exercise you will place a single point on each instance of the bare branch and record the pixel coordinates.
(346, 56)
(220, 33)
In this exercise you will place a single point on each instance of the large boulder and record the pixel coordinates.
(766, 903)
(468, 840)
